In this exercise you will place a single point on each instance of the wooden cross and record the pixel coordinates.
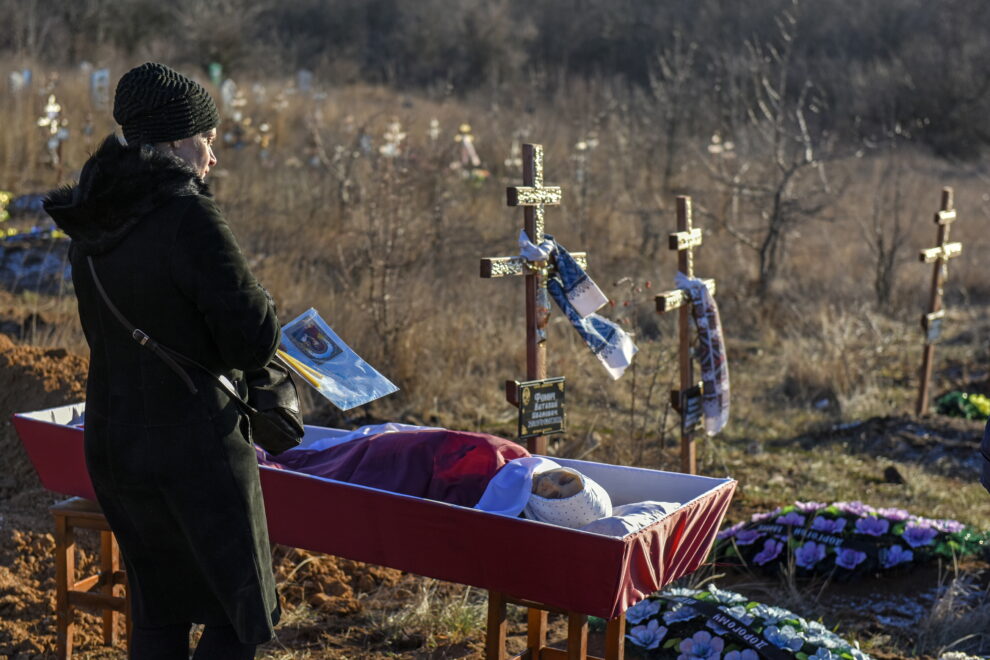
(932, 321)
(687, 399)
(533, 196)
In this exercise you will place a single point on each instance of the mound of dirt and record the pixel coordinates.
(330, 585)
(947, 446)
(32, 378)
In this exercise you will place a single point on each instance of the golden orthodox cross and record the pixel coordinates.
(932, 321)
(533, 196)
(687, 399)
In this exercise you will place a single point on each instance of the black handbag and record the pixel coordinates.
(272, 405)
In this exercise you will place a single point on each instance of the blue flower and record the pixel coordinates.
(823, 654)
(730, 531)
(818, 635)
(872, 526)
(785, 637)
(748, 536)
(644, 609)
(895, 555)
(857, 654)
(684, 592)
(809, 554)
(648, 636)
(760, 517)
(678, 613)
(771, 550)
(701, 645)
(794, 519)
(739, 613)
(725, 597)
(850, 559)
(771, 614)
(917, 534)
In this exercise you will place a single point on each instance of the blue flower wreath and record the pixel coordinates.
(714, 623)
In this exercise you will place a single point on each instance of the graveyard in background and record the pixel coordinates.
(363, 159)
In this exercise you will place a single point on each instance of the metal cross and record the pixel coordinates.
(684, 241)
(932, 321)
(533, 196)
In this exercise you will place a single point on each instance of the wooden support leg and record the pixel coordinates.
(537, 633)
(108, 566)
(129, 619)
(65, 575)
(615, 638)
(577, 636)
(495, 639)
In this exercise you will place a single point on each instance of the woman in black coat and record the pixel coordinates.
(174, 471)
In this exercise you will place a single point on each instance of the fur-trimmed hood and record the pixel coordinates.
(119, 185)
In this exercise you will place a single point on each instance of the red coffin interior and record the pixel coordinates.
(565, 568)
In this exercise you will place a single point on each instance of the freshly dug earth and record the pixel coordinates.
(30, 379)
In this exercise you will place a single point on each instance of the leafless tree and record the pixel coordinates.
(672, 87)
(773, 166)
(884, 230)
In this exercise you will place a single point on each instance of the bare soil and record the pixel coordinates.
(325, 598)
(338, 608)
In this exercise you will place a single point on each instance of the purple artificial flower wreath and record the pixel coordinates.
(855, 535)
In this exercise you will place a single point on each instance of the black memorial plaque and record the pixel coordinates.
(541, 407)
(691, 414)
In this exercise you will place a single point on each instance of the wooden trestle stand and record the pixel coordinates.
(687, 399)
(932, 321)
(533, 196)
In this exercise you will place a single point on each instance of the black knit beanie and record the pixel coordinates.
(153, 104)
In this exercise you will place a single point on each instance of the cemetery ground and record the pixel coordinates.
(383, 237)
(336, 608)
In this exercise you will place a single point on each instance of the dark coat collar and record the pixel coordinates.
(119, 186)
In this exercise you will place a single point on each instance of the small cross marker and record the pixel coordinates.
(687, 399)
(932, 321)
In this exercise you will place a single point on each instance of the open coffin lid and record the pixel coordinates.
(564, 568)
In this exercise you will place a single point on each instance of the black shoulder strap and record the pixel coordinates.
(142, 338)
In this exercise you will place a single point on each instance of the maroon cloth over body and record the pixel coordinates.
(436, 464)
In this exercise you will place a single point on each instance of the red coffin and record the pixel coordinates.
(565, 568)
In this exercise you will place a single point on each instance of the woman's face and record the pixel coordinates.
(197, 151)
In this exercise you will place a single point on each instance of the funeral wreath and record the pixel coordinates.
(844, 540)
(718, 624)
